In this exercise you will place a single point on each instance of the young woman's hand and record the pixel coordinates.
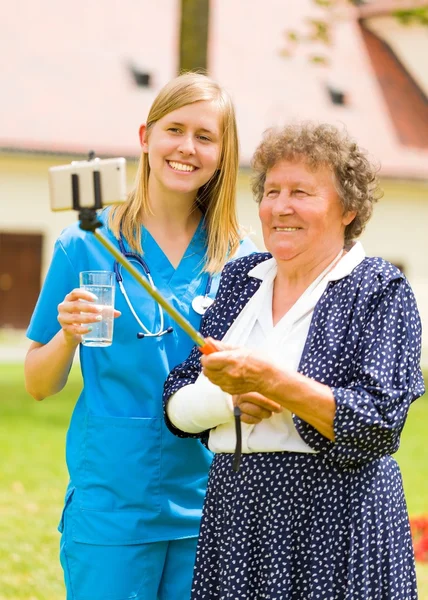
(76, 313)
(255, 407)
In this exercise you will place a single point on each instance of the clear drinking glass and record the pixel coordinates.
(101, 284)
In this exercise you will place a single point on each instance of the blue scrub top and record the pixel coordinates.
(131, 480)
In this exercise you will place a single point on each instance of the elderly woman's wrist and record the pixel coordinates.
(269, 380)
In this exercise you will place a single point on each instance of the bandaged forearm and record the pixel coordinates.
(200, 406)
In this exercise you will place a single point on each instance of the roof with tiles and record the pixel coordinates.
(69, 76)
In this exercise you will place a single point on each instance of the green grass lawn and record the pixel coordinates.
(32, 483)
(33, 479)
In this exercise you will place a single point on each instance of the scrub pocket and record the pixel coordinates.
(120, 470)
(101, 572)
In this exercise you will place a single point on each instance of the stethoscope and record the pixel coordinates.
(199, 304)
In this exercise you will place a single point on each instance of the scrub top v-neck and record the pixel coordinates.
(131, 480)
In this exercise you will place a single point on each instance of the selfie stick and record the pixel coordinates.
(89, 222)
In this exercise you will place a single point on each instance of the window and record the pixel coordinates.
(141, 77)
(337, 96)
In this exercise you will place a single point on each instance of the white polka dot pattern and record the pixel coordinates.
(290, 526)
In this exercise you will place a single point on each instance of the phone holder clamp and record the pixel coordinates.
(87, 215)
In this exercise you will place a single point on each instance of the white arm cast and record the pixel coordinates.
(199, 406)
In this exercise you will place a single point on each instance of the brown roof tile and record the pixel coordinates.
(406, 102)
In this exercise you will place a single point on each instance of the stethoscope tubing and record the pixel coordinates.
(131, 256)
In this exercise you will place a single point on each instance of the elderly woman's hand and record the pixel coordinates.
(255, 407)
(235, 370)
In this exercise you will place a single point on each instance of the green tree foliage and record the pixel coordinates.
(413, 16)
(320, 30)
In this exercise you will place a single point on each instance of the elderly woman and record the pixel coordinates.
(320, 350)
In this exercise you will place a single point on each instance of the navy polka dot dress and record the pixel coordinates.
(331, 525)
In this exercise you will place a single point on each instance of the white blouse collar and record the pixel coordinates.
(343, 268)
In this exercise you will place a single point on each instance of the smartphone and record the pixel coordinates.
(112, 183)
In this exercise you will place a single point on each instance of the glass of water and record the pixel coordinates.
(101, 284)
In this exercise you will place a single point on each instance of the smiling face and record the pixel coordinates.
(301, 213)
(183, 148)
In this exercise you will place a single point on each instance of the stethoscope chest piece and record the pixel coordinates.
(201, 303)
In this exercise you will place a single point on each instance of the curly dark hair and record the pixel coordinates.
(318, 145)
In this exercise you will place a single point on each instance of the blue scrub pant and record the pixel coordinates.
(154, 571)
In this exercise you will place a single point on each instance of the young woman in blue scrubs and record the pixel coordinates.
(133, 504)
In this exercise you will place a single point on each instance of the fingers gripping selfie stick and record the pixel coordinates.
(89, 222)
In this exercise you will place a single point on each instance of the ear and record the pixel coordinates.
(348, 217)
(142, 132)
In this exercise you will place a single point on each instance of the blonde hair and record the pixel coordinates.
(355, 175)
(216, 199)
